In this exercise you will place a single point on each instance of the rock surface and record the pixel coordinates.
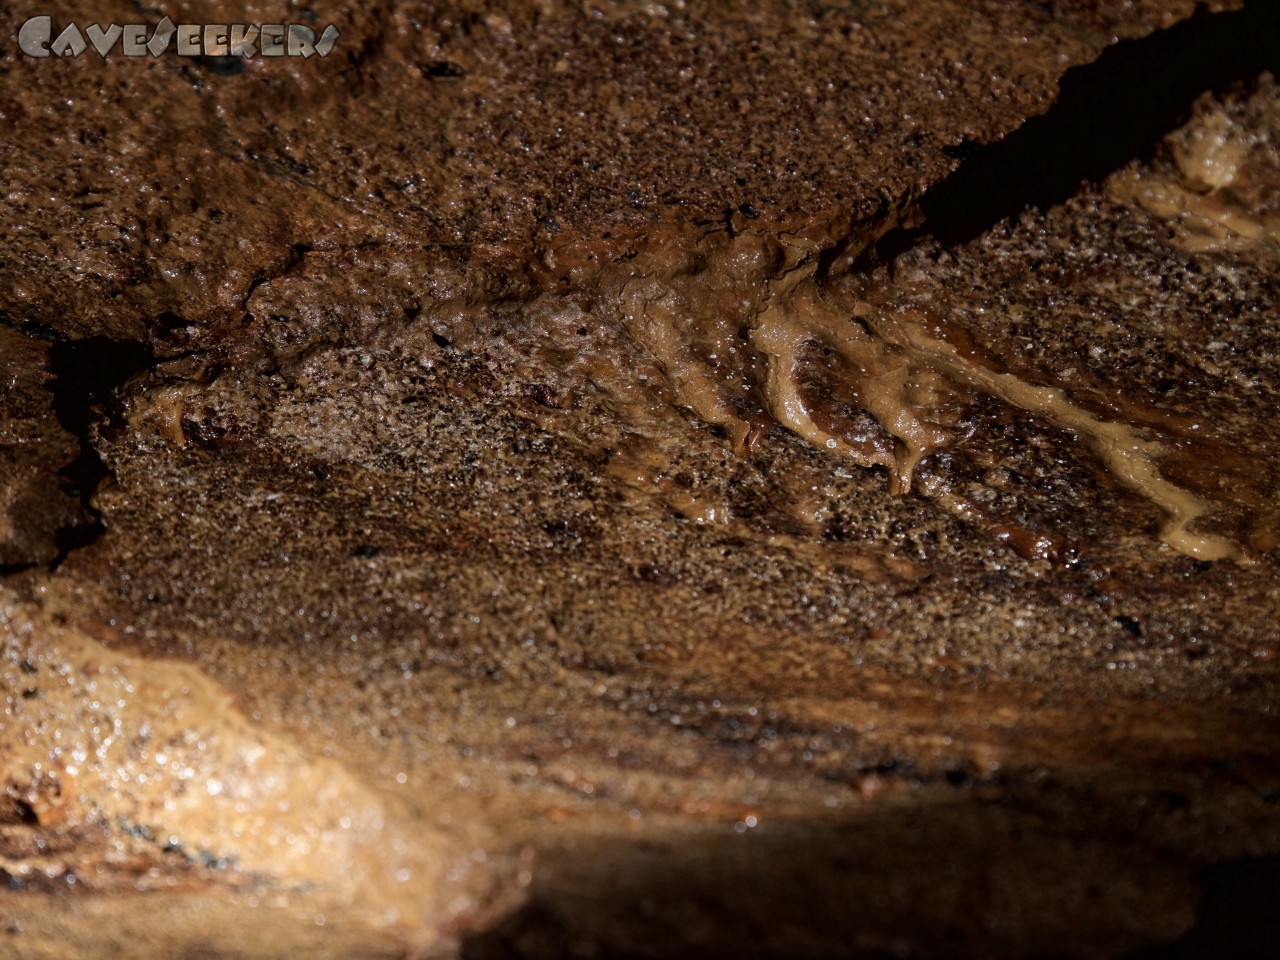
(618, 479)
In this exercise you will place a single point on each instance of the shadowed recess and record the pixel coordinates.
(1107, 113)
(85, 375)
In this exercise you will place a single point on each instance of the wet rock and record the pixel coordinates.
(586, 500)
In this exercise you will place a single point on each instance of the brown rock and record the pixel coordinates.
(584, 479)
(35, 504)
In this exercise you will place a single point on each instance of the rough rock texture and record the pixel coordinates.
(34, 449)
(596, 479)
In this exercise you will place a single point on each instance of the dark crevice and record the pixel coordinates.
(1108, 113)
(291, 262)
(85, 376)
(31, 328)
(1237, 919)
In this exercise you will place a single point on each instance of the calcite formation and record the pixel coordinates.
(643, 479)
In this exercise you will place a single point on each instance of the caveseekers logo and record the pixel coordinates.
(36, 38)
